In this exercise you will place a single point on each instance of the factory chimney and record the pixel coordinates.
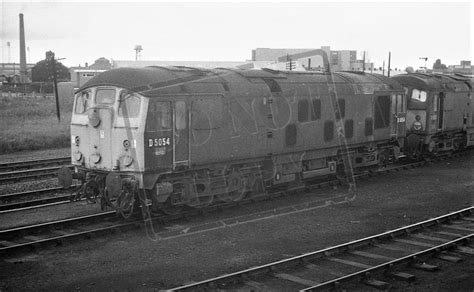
(23, 70)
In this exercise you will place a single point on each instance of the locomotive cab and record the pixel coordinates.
(105, 129)
(107, 124)
(437, 112)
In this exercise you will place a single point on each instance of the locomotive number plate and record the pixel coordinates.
(401, 119)
(158, 142)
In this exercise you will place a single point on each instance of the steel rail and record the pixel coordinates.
(13, 176)
(32, 193)
(11, 166)
(44, 202)
(13, 232)
(38, 203)
(241, 276)
(35, 203)
(389, 264)
(167, 218)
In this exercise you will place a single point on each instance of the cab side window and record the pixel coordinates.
(105, 96)
(83, 102)
(417, 99)
(129, 105)
(159, 116)
(180, 120)
(382, 112)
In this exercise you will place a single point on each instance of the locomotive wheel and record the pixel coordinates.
(91, 190)
(237, 189)
(383, 159)
(198, 198)
(125, 202)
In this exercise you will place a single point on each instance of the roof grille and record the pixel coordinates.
(272, 84)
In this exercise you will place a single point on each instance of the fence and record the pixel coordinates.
(36, 90)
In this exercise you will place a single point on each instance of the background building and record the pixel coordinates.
(13, 70)
(463, 68)
(199, 64)
(343, 60)
(80, 75)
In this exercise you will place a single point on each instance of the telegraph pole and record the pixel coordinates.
(52, 61)
(388, 69)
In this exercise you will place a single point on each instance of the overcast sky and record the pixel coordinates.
(82, 32)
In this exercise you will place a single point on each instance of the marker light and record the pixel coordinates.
(126, 144)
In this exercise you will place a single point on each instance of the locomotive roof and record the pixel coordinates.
(434, 81)
(147, 80)
(139, 79)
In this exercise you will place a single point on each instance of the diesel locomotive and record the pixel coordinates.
(440, 113)
(180, 136)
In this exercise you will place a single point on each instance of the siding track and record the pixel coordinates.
(446, 237)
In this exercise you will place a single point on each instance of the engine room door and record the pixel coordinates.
(181, 135)
(398, 127)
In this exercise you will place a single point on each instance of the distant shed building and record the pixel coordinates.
(342, 60)
(80, 75)
(199, 64)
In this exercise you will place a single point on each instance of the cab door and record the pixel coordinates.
(159, 136)
(181, 135)
(398, 127)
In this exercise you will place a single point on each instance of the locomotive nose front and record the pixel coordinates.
(99, 134)
(105, 130)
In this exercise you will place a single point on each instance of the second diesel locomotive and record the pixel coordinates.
(179, 136)
(440, 113)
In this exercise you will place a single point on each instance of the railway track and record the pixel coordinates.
(28, 164)
(37, 203)
(41, 234)
(57, 232)
(43, 202)
(37, 235)
(383, 256)
(21, 175)
(53, 195)
(52, 200)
